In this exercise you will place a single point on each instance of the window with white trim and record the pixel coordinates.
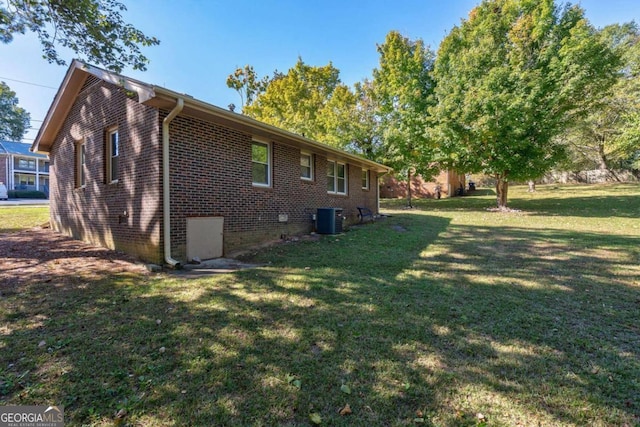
(306, 166)
(113, 155)
(80, 161)
(261, 163)
(365, 179)
(336, 177)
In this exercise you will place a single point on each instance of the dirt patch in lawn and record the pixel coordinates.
(40, 255)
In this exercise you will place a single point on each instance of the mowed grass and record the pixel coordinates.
(16, 218)
(442, 315)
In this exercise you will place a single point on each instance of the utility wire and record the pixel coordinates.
(28, 83)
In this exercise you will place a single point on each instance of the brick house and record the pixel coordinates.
(20, 169)
(448, 180)
(166, 177)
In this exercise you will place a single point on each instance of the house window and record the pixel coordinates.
(306, 166)
(113, 155)
(365, 179)
(336, 177)
(23, 181)
(26, 164)
(261, 163)
(80, 161)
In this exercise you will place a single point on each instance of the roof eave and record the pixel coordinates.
(69, 88)
(160, 97)
(166, 98)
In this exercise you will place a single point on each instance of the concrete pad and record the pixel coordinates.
(214, 266)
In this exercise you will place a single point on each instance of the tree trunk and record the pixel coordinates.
(409, 189)
(603, 162)
(502, 187)
(532, 186)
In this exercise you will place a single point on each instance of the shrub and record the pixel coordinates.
(26, 194)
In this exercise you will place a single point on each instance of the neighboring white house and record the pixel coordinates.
(20, 169)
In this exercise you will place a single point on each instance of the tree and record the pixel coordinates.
(606, 135)
(94, 29)
(14, 120)
(403, 88)
(245, 81)
(313, 102)
(508, 79)
(291, 101)
(352, 120)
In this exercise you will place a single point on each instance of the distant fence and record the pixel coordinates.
(598, 176)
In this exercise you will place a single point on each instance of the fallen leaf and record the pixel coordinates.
(419, 413)
(346, 410)
(418, 420)
(122, 413)
(345, 389)
(315, 418)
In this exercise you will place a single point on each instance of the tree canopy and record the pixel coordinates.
(383, 119)
(607, 133)
(404, 88)
(294, 101)
(93, 29)
(508, 88)
(507, 80)
(14, 120)
(308, 100)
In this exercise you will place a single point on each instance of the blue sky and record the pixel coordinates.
(203, 41)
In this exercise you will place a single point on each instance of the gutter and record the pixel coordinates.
(267, 130)
(166, 202)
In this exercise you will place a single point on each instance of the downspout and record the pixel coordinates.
(166, 202)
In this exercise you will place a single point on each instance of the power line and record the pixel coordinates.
(28, 83)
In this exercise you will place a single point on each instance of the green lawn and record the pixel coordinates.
(443, 315)
(16, 218)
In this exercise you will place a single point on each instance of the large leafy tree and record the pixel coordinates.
(14, 120)
(404, 87)
(294, 100)
(606, 135)
(93, 29)
(508, 79)
(352, 120)
(311, 101)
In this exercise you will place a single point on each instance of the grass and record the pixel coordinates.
(16, 218)
(443, 315)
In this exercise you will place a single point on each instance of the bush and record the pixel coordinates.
(26, 194)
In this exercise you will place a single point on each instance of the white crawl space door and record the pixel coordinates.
(204, 237)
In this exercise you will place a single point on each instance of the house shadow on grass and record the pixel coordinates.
(410, 318)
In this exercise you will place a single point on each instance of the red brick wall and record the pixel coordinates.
(211, 176)
(392, 187)
(125, 215)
